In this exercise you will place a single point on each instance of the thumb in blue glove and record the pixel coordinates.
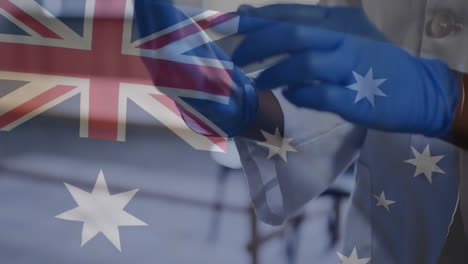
(222, 98)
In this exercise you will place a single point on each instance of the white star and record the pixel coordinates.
(353, 258)
(367, 87)
(382, 201)
(101, 212)
(425, 163)
(277, 145)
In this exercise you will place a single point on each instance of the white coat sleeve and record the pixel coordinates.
(326, 145)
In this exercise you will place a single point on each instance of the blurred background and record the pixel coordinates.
(195, 203)
(197, 211)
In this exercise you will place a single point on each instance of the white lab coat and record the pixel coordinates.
(327, 145)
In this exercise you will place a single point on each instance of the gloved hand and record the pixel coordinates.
(208, 83)
(339, 62)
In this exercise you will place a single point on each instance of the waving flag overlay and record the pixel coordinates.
(100, 61)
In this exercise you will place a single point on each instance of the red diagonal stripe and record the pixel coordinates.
(170, 104)
(186, 31)
(28, 20)
(34, 104)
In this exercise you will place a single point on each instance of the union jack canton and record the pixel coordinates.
(100, 61)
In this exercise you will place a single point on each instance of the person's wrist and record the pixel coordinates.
(269, 117)
(248, 113)
(459, 132)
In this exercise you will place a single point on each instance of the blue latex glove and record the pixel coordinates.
(339, 62)
(231, 116)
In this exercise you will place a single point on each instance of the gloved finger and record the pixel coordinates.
(306, 67)
(155, 15)
(152, 15)
(323, 97)
(283, 38)
(252, 18)
(249, 23)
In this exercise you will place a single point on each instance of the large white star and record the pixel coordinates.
(367, 87)
(277, 145)
(425, 163)
(101, 212)
(353, 258)
(382, 201)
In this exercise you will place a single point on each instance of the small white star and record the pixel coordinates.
(425, 163)
(367, 87)
(353, 258)
(382, 201)
(277, 145)
(101, 212)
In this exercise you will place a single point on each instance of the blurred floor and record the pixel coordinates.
(38, 157)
